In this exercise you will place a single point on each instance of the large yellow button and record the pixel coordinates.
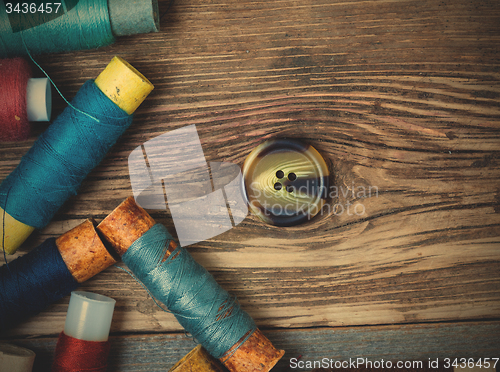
(286, 182)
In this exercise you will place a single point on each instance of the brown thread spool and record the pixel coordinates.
(125, 225)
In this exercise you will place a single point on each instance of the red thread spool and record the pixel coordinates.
(83, 346)
(74, 355)
(22, 99)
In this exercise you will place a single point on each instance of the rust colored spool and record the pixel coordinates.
(126, 224)
(197, 360)
(83, 251)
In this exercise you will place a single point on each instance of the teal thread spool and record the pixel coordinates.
(68, 150)
(131, 227)
(77, 24)
(212, 316)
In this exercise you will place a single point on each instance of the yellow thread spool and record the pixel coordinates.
(14, 233)
(122, 84)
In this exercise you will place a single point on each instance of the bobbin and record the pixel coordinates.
(83, 251)
(133, 17)
(197, 360)
(38, 99)
(88, 319)
(75, 257)
(123, 85)
(14, 358)
(126, 224)
(89, 316)
(118, 18)
(22, 99)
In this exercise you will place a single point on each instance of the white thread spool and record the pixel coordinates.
(15, 358)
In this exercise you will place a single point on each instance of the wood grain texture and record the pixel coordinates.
(159, 352)
(402, 97)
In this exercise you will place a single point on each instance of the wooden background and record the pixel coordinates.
(401, 96)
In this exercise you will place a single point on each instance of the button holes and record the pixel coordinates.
(280, 174)
(290, 188)
(278, 186)
(292, 176)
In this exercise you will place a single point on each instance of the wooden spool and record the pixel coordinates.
(83, 251)
(123, 85)
(126, 224)
(197, 360)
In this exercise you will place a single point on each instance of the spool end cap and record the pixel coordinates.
(89, 316)
(124, 85)
(38, 99)
(133, 17)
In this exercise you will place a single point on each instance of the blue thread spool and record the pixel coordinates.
(68, 150)
(188, 290)
(74, 25)
(49, 272)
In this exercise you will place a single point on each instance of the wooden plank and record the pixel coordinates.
(402, 97)
(424, 342)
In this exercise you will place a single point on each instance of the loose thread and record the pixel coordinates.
(202, 307)
(74, 355)
(63, 155)
(3, 241)
(64, 98)
(53, 84)
(168, 8)
(3, 233)
(33, 281)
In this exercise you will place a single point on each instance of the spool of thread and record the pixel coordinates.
(49, 272)
(197, 360)
(83, 345)
(202, 307)
(68, 150)
(15, 358)
(74, 25)
(22, 99)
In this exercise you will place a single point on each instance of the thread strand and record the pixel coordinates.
(63, 155)
(54, 84)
